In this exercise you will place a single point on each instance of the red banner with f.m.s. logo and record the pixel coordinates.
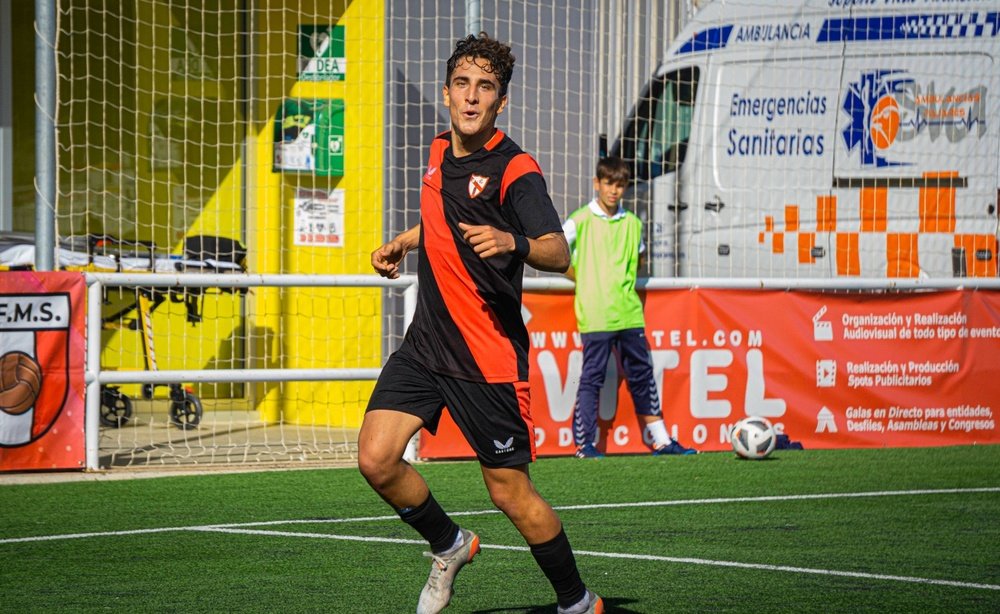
(830, 370)
(42, 354)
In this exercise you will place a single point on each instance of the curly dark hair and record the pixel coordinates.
(486, 48)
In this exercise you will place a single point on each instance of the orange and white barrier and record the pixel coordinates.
(42, 352)
(831, 370)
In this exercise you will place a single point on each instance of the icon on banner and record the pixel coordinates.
(826, 373)
(822, 329)
(825, 421)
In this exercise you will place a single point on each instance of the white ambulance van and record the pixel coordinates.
(822, 138)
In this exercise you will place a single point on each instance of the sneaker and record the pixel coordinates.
(592, 605)
(784, 443)
(589, 450)
(673, 448)
(438, 590)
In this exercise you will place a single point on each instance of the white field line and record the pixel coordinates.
(242, 530)
(591, 506)
(620, 555)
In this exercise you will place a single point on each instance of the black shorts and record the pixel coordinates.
(494, 418)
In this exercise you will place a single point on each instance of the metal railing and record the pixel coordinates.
(95, 376)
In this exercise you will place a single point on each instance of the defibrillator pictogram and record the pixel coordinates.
(322, 55)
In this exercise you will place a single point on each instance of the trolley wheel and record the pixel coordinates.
(185, 410)
(116, 407)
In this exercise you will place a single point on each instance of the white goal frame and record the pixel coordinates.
(95, 375)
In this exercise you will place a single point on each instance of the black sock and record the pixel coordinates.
(555, 557)
(432, 523)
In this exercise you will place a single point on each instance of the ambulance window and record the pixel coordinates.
(656, 139)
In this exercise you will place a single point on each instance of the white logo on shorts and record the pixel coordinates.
(504, 447)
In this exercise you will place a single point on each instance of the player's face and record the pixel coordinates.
(608, 194)
(474, 101)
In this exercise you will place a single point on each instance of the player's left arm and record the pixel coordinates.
(549, 252)
(529, 210)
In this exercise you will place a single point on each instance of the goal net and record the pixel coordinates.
(220, 137)
(799, 140)
(289, 137)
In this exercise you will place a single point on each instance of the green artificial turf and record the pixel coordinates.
(675, 534)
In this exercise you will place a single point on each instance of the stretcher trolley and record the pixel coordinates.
(132, 308)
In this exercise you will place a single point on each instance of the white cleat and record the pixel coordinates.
(438, 590)
(590, 604)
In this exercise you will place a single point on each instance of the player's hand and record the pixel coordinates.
(385, 259)
(487, 241)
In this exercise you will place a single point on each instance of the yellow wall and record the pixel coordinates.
(22, 128)
(205, 192)
(314, 327)
(195, 190)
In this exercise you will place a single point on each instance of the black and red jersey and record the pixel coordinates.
(468, 320)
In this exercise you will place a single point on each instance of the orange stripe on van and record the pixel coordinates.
(791, 218)
(937, 205)
(826, 213)
(902, 255)
(807, 240)
(986, 245)
(778, 243)
(848, 256)
(873, 205)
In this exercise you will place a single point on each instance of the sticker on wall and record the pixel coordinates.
(309, 137)
(319, 217)
(188, 59)
(321, 53)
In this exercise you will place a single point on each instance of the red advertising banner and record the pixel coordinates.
(830, 370)
(42, 354)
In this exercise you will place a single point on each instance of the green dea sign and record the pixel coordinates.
(309, 137)
(321, 53)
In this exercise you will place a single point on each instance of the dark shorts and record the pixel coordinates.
(494, 418)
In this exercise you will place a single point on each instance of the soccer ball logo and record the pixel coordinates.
(20, 382)
(753, 438)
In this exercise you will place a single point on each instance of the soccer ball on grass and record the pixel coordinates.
(753, 438)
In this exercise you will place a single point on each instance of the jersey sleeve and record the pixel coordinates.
(528, 207)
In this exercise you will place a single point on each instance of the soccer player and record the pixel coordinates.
(484, 212)
(607, 248)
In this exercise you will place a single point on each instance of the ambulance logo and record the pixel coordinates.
(34, 365)
(873, 105)
(477, 183)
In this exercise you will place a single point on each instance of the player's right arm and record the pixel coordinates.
(386, 259)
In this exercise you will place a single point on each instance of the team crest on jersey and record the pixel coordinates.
(477, 183)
